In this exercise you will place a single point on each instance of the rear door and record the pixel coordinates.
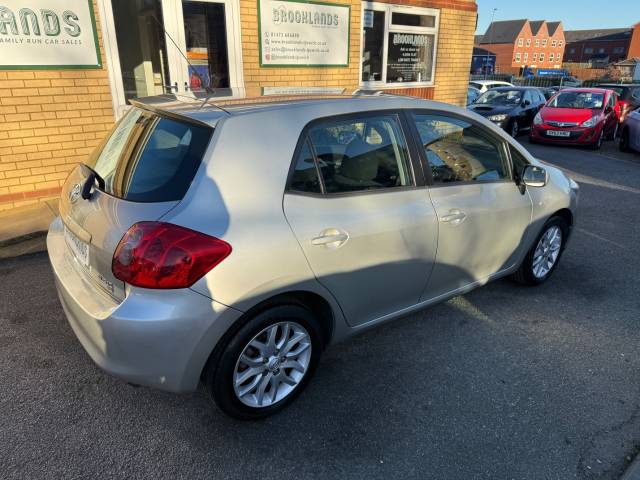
(482, 213)
(147, 163)
(361, 214)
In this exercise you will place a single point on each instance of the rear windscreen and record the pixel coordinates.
(150, 158)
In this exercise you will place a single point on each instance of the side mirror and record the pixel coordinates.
(534, 176)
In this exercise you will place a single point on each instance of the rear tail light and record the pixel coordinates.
(162, 255)
(624, 109)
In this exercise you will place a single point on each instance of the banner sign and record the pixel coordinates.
(48, 34)
(304, 34)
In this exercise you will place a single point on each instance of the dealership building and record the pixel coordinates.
(69, 67)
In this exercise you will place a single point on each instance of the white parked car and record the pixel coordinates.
(484, 85)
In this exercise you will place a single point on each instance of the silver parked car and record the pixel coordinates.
(232, 243)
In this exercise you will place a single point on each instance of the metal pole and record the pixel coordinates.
(493, 14)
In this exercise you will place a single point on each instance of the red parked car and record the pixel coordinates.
(577, 116)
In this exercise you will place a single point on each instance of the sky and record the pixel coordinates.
(574, 14)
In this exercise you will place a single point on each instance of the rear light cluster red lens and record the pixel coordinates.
(162, 255)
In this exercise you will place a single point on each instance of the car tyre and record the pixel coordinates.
(221, 372)
(624, 141)
(527, 273)
(598, 144)
(614, 134)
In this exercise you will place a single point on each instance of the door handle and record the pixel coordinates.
(455, 217)
(331, 238)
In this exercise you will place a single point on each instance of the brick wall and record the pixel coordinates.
(455, 45)
(256, 76)
(455, 48)
(49, 121)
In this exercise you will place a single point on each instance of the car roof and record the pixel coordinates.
(508, 88)
(210, 111)
(485, 82)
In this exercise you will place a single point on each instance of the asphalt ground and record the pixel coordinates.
(506, 382)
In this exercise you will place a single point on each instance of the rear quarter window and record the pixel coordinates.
(150, 158)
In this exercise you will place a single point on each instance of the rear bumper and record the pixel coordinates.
(158, 338)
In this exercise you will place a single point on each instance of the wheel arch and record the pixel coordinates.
(318, 305)
(565, 214)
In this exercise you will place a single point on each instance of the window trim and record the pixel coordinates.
(388, 9)
(413, 163)
(503, 144)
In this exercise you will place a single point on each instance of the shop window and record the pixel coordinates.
(141, 47)
(399, 44)
(206, 41)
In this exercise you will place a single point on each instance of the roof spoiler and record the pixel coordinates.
(156, 107)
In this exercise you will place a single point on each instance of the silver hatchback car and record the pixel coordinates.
(230, 244)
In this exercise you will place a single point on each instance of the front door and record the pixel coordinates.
(170, 46)
(482, 214)
(368, 233)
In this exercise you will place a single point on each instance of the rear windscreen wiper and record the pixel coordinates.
(92, 178)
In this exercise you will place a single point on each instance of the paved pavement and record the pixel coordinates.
(505, 382)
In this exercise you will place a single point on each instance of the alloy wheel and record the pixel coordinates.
(272, 364)
(547, 251)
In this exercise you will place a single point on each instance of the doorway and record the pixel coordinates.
(183, 47)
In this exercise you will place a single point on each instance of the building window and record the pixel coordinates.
(537, 42)
(551, 58)
(520, 42)
(528, 42)
(518, 58)
(526, 57)
(618, 50)
(561, 43)
(535, 57)
(398, 44)
(542, 56)
(554, 43)
(544, 42)
(601, 50)
(572, 50)
(588, 50)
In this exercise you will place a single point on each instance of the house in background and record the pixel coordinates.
(601, 47)
(522, 43)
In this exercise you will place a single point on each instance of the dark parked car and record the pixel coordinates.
(628, 97)
(549, 91)
(511, 108)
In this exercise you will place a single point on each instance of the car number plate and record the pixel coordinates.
(79, 248)
(558, 133)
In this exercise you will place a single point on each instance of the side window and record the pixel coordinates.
(527, 96)
(459, 151)
(518, 161)
(361, 153)
(636, 93)
(305, 175)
